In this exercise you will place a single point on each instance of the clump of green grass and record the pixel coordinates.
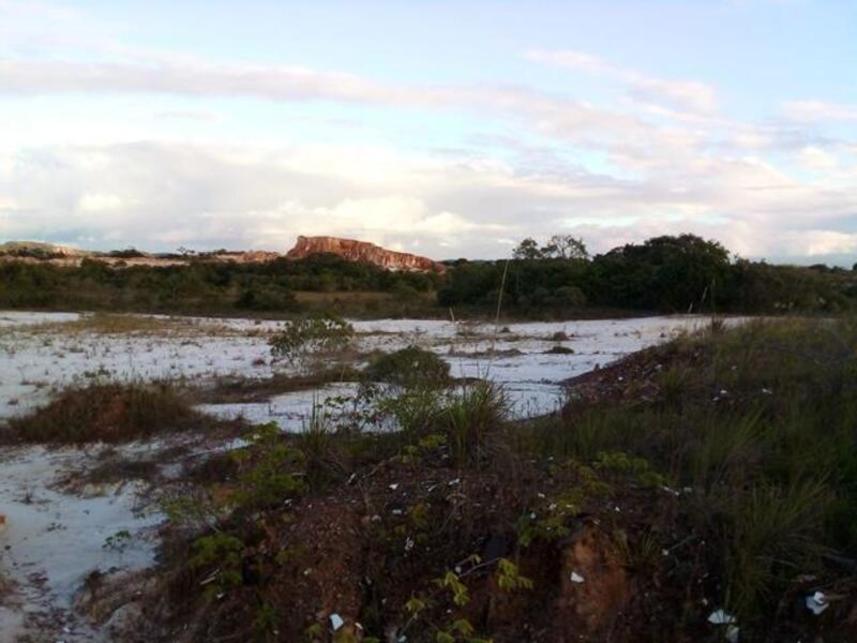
(471, 417)
(109, 413)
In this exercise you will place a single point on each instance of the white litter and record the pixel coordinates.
(394, 486)
(733, 632)
(576, 578)
(817, 603)
(336, 621)
(720, 617)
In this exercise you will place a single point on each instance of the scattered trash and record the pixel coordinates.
(454, 482)
(576, 578)
(397, 512)
(409, 543)
(817, 603)
(732, 633)
(394, 486)
(670, 490)
(720, 617)
(336, 621)
(767, 391)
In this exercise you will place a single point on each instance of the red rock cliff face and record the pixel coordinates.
(363, 251)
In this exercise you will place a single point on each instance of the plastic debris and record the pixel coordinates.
(576, 578)
(817, 603)
(336, 621)
(720, 617)
(409, 543)
(733, 633)
(394, 486)
(454, 482)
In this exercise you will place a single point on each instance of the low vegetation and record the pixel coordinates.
(110, 412)
(410, 367)
(718, 472)
(304, 342)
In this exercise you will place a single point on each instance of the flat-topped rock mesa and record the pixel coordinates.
(354, 250)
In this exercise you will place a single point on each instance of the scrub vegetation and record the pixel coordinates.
(713, 478)
(556, 280)
(108, 412)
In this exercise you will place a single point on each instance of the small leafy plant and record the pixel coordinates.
(302, 339)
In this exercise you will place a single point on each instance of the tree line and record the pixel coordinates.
(683, 273)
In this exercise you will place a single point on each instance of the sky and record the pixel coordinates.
(450, 129)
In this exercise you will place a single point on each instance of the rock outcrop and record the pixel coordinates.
(354, 250)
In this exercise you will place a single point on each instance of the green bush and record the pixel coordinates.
(409, 367)
(309, 337)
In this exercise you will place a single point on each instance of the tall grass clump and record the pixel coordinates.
(774, 533)
(318, 444)
(471, 417)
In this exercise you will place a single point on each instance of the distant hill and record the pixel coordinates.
(362, 251)
(39, 250)
(348, 249)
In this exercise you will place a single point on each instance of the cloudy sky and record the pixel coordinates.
(444, 128)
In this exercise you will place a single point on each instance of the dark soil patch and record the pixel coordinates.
(246, 390)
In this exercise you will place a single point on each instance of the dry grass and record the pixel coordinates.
(109, 413)
(131, 324)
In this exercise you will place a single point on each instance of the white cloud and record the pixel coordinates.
(663, 159)
(163, 195)
(682, 94)
(99, 202)
(810, 111)
(819, 243)
(816, 159)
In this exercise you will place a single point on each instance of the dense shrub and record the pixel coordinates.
(409, 367)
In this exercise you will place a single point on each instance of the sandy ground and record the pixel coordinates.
(56, 536)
